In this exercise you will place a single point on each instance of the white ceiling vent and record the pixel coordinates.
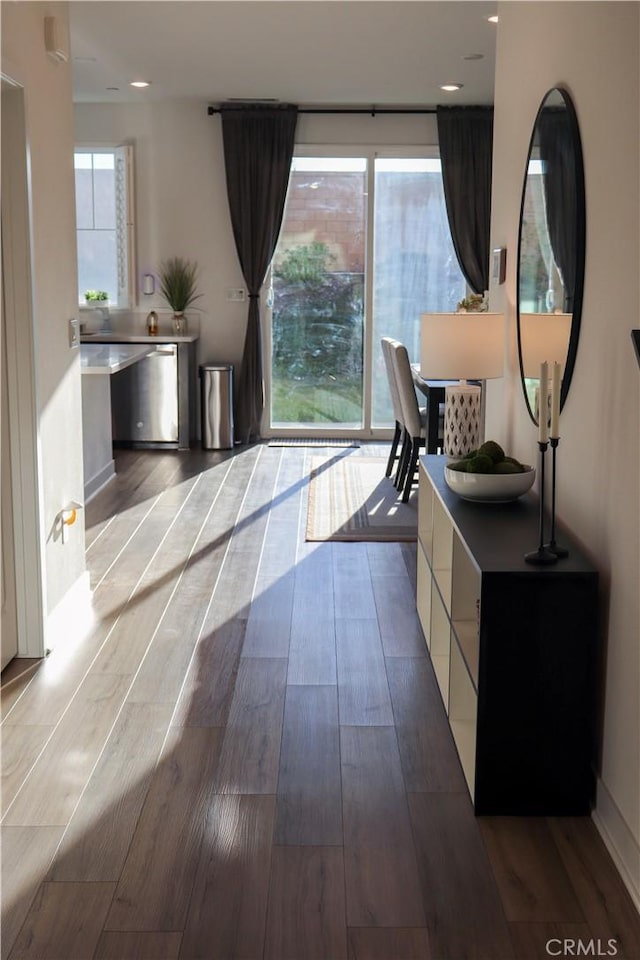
(53, 40)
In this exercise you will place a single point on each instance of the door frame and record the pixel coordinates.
(24, 443)
(9, 621)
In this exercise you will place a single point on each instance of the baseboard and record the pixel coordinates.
(99, 480)
(619, 841)
(73, 616)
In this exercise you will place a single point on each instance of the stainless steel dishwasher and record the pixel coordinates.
(144, 400)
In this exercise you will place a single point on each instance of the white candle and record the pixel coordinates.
(554, 432)
(543, 433)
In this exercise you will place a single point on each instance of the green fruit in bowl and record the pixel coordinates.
(492, 450)
(488, 458)
(481, 463)
(508, 466)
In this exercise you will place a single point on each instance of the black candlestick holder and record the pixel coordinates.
(542, 556)
(552, 546)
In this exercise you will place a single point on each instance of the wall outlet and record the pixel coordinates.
(73, 330)
(235, 294)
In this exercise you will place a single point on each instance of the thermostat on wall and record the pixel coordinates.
(499, 264)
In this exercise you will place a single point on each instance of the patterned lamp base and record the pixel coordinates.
(461, 419)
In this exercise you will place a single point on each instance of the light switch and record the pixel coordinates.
(235, 294)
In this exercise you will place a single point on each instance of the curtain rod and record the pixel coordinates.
(371, 111)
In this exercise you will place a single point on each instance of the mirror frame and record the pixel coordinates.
(580, 238)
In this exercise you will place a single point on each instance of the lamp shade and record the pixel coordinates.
(461, 346)
(543, 336)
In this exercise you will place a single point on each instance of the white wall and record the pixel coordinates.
(181, 198)
(49, 130)
(592, 49)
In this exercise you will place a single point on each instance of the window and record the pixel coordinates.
(105, 223)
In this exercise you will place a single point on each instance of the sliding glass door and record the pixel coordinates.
(318, 297)
(364, 250)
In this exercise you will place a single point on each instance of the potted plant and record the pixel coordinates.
(178, 286)
(96, 298)
(474, 303)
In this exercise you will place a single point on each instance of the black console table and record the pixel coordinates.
(514, 650)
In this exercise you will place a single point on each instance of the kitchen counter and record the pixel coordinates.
(119, 337)
(108, 358)
(98, 362)
(124, 395)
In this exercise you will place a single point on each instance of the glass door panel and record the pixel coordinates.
(415, 268)
(317, 327)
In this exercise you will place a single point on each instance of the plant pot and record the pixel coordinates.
(179, 322)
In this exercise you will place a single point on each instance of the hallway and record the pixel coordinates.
(247, 755)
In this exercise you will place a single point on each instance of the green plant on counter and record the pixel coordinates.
(96, 296)
(178, 283)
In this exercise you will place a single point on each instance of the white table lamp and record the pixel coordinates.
(466, 346)
(543, 337)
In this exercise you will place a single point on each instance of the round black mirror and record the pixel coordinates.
(551, 247)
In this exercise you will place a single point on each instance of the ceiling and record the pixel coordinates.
(356, 52)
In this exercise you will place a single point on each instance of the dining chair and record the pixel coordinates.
(394, 455)
(413, 420)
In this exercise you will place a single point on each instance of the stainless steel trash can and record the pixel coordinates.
(216, 394)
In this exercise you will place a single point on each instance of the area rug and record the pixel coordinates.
(311, 442)
(351, 499)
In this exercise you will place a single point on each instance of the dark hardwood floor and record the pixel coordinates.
(246, 755)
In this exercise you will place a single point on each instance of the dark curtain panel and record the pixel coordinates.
(557, 153)
(465, 135)
(258, 147)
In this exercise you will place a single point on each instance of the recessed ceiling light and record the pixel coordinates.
(494, 19)
(451, 87)
(139, 83)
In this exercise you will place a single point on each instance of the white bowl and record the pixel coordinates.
(490, 487)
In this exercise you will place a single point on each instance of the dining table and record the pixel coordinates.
(434, 391)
